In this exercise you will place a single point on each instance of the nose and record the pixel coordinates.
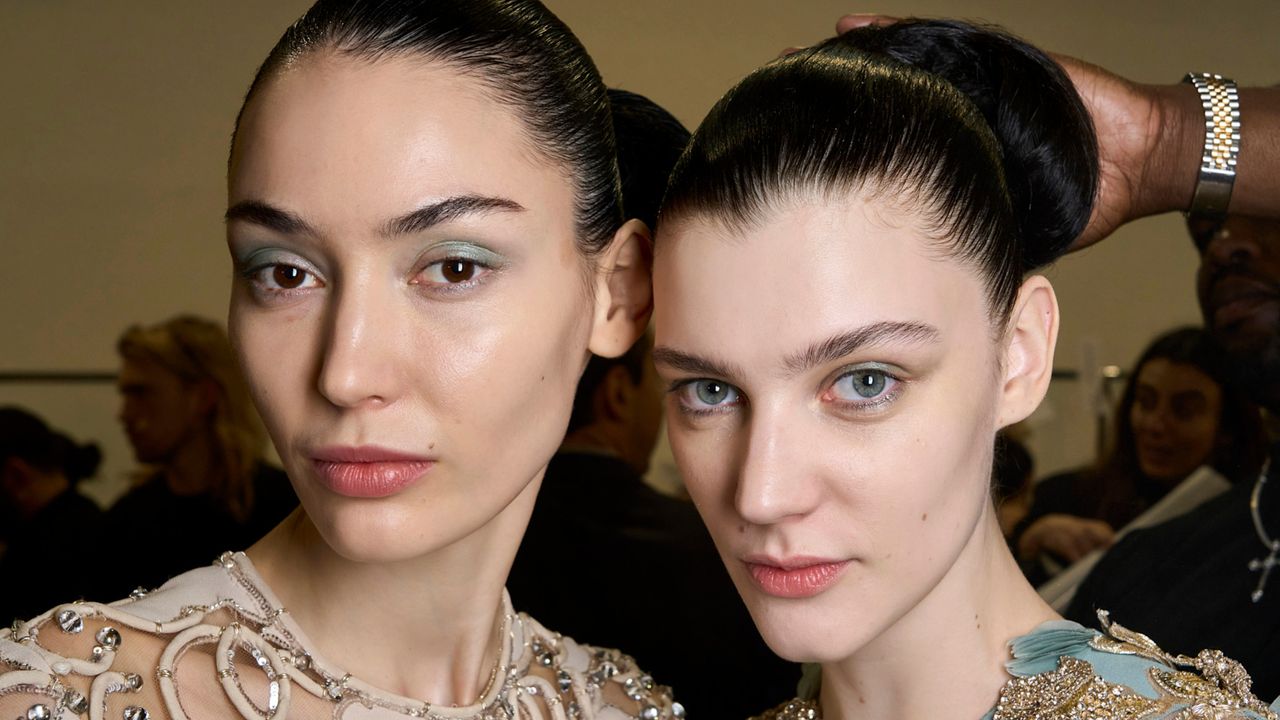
(1226, 248)
(1152, 421)
(773, 481)
(358, 368)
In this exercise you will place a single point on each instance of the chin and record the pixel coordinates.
(810, 630)
(382, 531)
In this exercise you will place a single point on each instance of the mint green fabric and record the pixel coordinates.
(1038, 652)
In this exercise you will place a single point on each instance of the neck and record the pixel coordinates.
(946, 656)
(190, 469)
(425, 627)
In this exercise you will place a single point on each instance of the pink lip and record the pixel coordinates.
(368, 471)
(796, 577)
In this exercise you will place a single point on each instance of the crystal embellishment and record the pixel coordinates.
(39, 712)
(75, 702)
(109, 637)
(133, 712)
(70, 621)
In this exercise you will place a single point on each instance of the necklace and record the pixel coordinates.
(1273, 546)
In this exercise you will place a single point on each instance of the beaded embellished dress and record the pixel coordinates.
(1064, 671)
(216, 643)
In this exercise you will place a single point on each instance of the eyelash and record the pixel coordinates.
(481, 271)
(893, 388)
(683, 390)
(261, 286)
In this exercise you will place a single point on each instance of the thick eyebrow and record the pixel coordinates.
(287, 223)
(838, 346)
(446, 210)
(694, 364)
(272, 218)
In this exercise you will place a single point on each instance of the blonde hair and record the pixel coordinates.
(197, 350)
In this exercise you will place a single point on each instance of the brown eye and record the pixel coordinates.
(457, 271)
(288, 276)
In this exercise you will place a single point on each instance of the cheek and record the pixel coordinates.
(488, 372)
(706, 465)
(1201, 432)
(277, 354)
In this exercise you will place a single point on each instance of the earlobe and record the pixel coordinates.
(1028, 352)
(623, 291)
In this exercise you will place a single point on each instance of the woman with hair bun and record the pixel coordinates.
(39, 471)
(845, 319)
(425, 225)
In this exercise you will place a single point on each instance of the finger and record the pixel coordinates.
(1101, 533)
(856, 20)
(791, 50)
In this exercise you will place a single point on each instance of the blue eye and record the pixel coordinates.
(863, 387)
(701, 396)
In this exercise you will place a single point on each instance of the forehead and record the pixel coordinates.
(1173, 377)
(348, 134)
(141, 371)
(809, 269)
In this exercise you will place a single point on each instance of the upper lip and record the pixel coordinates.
(365, 454)
(788, 563)
(1231, 288)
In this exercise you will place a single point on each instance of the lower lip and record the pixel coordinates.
(370, 479)
(800, 582)
(1241, 310)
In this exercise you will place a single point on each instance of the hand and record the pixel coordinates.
(1066, 536)
(1130, 123)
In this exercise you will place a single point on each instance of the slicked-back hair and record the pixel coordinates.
(977, 134)
(521, 53)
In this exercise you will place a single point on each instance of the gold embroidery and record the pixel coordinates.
(1209, 686)
(1221, 688)
(792, 710)
(1072, 691)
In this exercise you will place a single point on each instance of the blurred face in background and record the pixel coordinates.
(1238, 284)
(1175, 414)
(158, 410)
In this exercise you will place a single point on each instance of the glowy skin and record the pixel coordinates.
(1175, 418)
(835, 386)
(453, 346)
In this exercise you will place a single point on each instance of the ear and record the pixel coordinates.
(623, 292)
(1028, 351)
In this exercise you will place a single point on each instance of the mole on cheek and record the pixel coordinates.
(924, 517)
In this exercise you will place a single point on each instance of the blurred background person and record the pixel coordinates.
(1174, 416)
(1012, 488)
(1207, 578)
(49, 525)
(205, 487)
(596, 521)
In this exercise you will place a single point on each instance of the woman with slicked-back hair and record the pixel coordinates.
(846, 313)
(428, 242)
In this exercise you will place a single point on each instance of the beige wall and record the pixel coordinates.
(115, 121)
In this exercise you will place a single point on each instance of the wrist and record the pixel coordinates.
(1177, 145)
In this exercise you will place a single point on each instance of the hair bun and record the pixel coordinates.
(1050, 151)
(79, 461)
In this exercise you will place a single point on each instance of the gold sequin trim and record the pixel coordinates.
(793, 710)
